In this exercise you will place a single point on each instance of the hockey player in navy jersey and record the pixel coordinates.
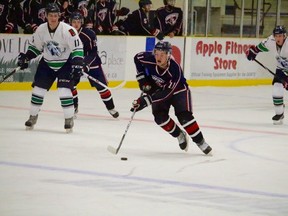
(106, 13)
(11, 16)
(162, 81)
(92, 64)
(169, 19)
(138, 23)
(62, 52)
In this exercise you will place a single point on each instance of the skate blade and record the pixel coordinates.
(279, 122)
(29, 128)
(70, 130)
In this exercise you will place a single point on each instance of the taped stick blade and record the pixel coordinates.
(112, 150)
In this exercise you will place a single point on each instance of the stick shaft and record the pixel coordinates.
(10, 74)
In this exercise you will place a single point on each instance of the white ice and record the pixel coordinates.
(46, 172)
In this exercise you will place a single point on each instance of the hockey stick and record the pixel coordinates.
(10, 74)
(94, 80)
(116, 150)
(274, 74)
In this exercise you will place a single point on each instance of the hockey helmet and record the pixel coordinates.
(76, 16)
(142, 3)
(164, 46)
(52, 8)
(279, 30)
(169, 2)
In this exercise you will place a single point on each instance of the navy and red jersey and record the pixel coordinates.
(168, 81)
(137, 23)
(106, 15)
(11, 12)
(89, 40)
(169, 19)
(34, 10)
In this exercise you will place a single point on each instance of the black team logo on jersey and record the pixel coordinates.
(72, 32)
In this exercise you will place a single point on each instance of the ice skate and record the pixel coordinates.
(183, 141)
(114, 113)
(205, 148)
(278, 119)
(69, 123)
(31, 122)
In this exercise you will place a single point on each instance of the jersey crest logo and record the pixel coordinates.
(53, 48)
(171, 19)
(102, 14)
(158, 81)
(72, 32)
(41, 14)
(283, 61)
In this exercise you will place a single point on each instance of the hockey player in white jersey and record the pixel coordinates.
(62, 51)
(277, 44)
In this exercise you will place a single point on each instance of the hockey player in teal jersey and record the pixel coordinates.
(62, 57)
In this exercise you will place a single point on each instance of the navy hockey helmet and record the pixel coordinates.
(76, 16)
(164, 46)
(279, 30)
(142, 3)
(52, 8)
(169, 2)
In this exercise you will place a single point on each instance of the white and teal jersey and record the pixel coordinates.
(281, 54)
(58, 46)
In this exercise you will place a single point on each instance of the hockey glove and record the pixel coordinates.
(22, 61)
(158, 34)
(252, 53)
(9, 27)
(141, 103)
(78, 68)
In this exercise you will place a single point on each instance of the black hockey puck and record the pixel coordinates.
(124, 158)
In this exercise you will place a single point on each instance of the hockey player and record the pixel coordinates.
(92, 64)
(169, 19)
(11, 15)
(106, 13)
(62, 54)
(137, 23)
(162, 81)
(278, 45)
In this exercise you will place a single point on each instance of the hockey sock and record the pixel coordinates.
(67, 104)
(37, 100)
(107, 99)
(189, 123)
(75, 96)
(170, 126)
(278, 94)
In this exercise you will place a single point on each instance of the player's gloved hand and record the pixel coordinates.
(141, 103)
(78, 68)
(158, 34)
(252, 53)
(123, 11)
(9, 27)
(22, 61)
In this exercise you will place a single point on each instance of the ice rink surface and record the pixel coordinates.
(46, 172)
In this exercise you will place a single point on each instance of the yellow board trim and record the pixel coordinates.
(134, 84)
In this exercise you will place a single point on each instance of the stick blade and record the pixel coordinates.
(112, 150)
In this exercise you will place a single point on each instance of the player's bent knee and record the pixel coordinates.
(184, 117)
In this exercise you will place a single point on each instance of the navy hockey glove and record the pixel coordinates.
(22, 61)
(144, 85)
(141, 103)
(252, 53)
(78, 68)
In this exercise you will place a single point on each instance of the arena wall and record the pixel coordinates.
(206, 61)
